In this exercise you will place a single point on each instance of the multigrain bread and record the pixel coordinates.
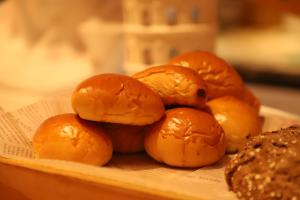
(221, 79)
(268, 167)
(117, 98)
(67, 137)
(176, 85)
(185, 137)
(238, 120)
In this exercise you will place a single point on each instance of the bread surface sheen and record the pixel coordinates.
(185, 137)
(176, 85)
(238, 120)
(117, 98)
(221, 78)
(67, 137)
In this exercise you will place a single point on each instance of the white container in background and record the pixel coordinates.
(157, 30)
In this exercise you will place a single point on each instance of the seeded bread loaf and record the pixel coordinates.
(268, 167)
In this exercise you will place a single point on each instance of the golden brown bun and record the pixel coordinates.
(67, 137)
(185, 137)
(117, 98)
(251, 99)
(221, 79)
(176, 85)
(126, 138)
(239, 120)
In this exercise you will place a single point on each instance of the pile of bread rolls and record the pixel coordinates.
(187, 113)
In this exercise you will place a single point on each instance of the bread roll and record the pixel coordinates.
(126, 138)
(67, 137)
(117, 98)
(221, 79)
(268, 167)
(239, 120)
(185, 137)
(176, 85)
(251, 99)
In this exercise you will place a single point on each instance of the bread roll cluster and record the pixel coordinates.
(187, 113)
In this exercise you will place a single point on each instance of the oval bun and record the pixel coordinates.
(186, 137)
(176, 85)
(67, 137)
(117, 98)
(221, 79)
(239, 120)
(126, 138)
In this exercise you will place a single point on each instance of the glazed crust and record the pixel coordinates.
(220, 78)
(238, 120)
(176, 85)
(67, 137)
(186, 137)
(117, 98)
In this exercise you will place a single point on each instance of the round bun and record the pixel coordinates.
(185, 137)
(126, 138)
(251, 99)
(239, 121)
(117, 98)
(67, 137)
(180, 85)
(221, 79)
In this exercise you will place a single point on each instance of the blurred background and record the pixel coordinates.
(49, 46)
